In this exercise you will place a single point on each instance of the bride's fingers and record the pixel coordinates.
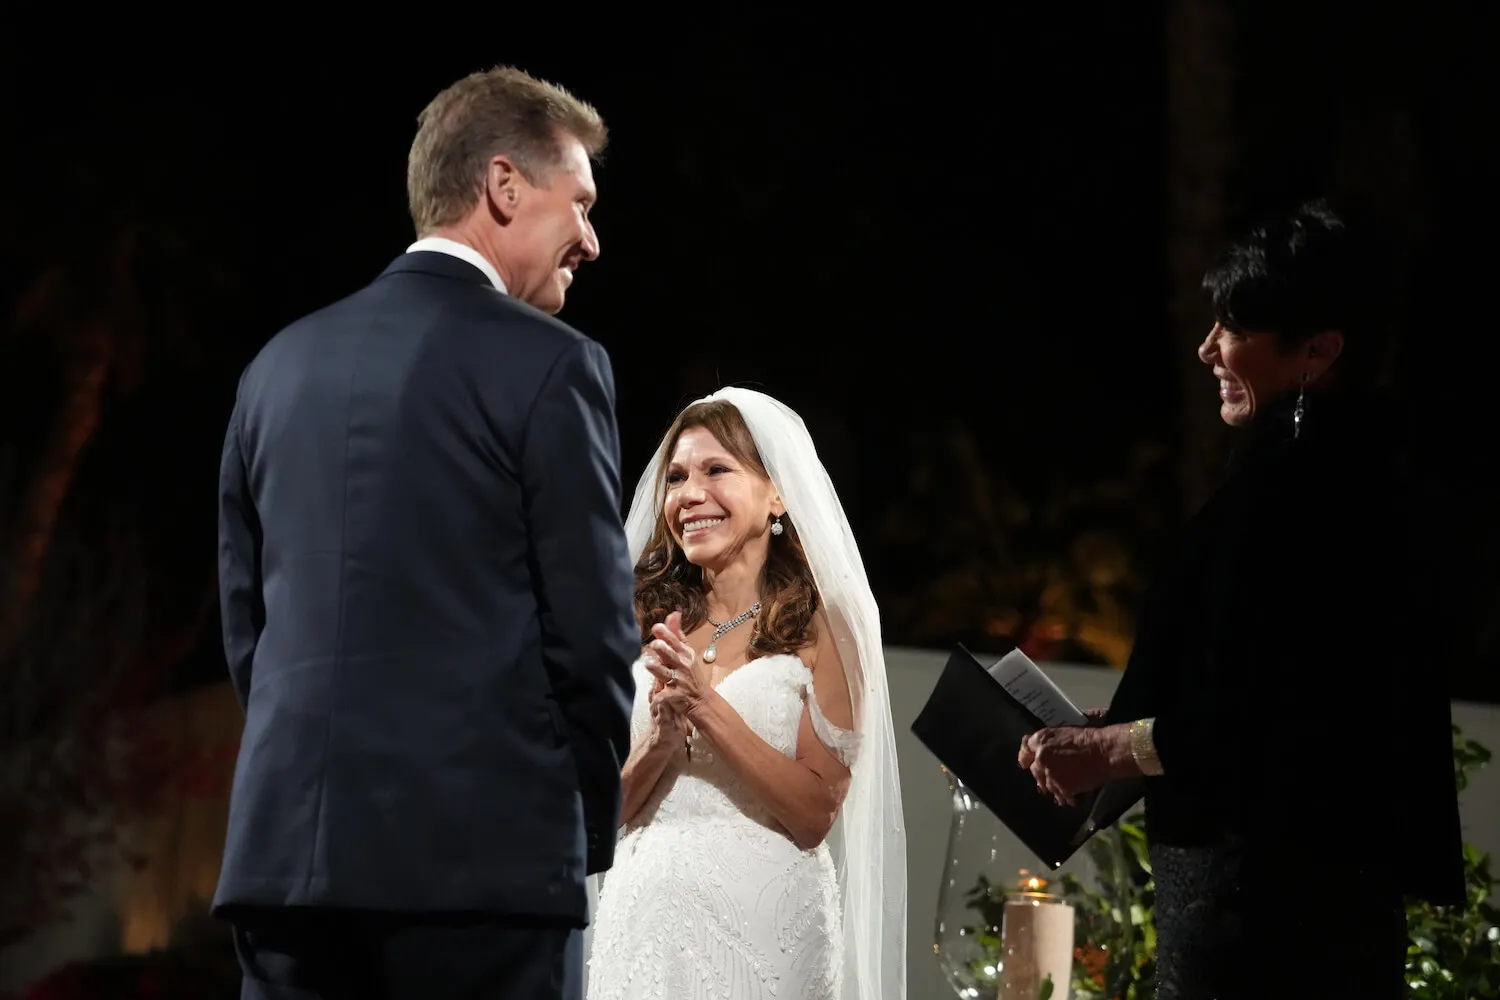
(671, 704)
(673, 658)
(664, 640)
(674, 642)
(671, 630)
(661, 673)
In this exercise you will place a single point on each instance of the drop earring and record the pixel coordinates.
(776, 528)
(1299, 411)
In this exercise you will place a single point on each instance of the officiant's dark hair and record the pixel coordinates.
(1300, 275)
(665, 581)
(498, 112)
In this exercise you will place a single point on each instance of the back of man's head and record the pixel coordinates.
(498, 112)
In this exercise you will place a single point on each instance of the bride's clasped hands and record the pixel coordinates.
(682, 684)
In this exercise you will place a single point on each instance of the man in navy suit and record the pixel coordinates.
(426, 592)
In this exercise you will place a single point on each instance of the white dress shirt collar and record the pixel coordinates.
(464, 252)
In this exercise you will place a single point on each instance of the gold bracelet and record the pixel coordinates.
(1143, 748)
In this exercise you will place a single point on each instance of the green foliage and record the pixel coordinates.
(1454, 952)
(1116, 952)
(1468, 757)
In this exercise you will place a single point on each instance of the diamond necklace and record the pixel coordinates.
(712, 652)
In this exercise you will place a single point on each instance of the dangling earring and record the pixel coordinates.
(1299, 411)
(776, 528)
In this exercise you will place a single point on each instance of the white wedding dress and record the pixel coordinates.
(708, 898)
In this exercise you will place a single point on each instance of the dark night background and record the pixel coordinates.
(964, 246)
(979, 237)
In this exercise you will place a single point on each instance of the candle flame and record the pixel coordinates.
(1030, 883)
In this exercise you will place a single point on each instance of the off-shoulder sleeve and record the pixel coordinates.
(842, 743)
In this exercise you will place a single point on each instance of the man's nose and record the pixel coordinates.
(590, 241)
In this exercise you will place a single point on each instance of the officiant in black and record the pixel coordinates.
(1294, 729)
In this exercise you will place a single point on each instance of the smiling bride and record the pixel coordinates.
(761, 733)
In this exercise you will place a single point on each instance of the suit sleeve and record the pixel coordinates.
(241, 606)
(571, 477)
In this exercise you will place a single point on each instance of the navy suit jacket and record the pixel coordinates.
(427, 605)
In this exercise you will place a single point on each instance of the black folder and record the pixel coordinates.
(975, 727)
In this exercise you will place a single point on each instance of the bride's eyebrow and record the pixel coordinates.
(702, 463)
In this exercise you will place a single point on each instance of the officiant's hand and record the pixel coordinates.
(675, 664)
(1068, 761)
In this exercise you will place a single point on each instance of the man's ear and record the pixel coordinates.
(502, 187)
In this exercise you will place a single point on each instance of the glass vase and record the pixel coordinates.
(971, 900)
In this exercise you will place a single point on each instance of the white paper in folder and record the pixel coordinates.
(1032, 688)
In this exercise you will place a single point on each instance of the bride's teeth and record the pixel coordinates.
(701, 525)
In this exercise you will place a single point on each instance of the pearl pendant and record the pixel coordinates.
(710, 654)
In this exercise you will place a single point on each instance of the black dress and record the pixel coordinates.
(1302, 725)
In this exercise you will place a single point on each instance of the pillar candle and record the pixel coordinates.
(1037, 940)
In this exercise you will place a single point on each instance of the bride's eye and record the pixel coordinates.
(675, 477)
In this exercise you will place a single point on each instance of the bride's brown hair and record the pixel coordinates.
(665, 581)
